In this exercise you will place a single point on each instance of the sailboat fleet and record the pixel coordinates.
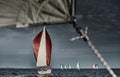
(69, 66)
(42, 46)
(94, 66)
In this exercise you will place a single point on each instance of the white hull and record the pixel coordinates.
(43, 72)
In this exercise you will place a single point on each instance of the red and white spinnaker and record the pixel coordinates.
(42, 49)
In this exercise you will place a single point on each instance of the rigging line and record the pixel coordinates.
(92, 47)
(32, 11)
(26, 14)
(39, 9)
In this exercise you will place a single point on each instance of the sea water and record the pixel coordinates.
(57, 73)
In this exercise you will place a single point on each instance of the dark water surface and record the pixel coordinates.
(58, 73)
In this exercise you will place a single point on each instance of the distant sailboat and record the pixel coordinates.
(65, 67)
(61, 66)
(78, 65)
(42, 50)
(69, 67)
(95, 66)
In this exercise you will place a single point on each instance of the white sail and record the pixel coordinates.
(41, 60)
(78, 65)
(65, 67)
(69, 67)
(35, 11)
(61, 66)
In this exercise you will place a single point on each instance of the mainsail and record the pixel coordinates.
(25, 12)
(42, 49)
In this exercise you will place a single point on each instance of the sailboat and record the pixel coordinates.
(69, 67)
(61, 66)
(65, 67)
(78, 65)
(95, 66)
(42, 50)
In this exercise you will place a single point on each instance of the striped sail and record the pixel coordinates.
(42, 48)
(25, 13)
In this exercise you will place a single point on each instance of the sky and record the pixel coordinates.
(103, 22)
(16, 47)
